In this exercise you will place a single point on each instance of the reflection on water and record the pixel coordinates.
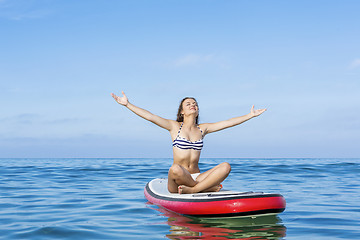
(183, 227)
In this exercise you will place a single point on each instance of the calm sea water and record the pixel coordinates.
(103, 199)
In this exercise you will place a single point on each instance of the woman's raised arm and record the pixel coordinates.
(214, 127)
(161, 122)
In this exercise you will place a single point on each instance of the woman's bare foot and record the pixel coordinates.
(216, 188)
(182, 189)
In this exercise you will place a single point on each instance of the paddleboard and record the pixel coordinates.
(224, 203)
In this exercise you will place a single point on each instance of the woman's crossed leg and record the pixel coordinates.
(180, 180)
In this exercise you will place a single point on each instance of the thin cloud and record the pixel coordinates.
(31, 118)
(199, 60)
(24, 118)
(65, 121)
(355, 64)
(18, 10)
(193, 60)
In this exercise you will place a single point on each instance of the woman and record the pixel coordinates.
(184, 175)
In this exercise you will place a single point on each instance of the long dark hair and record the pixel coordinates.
(180, 117)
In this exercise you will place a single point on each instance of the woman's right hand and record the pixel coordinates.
(257, 112)
(121, 100)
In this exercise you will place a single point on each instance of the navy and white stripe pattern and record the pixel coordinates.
(184, 143)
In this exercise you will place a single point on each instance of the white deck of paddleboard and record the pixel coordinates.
(159, 187)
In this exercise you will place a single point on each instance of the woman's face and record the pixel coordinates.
(189, 107)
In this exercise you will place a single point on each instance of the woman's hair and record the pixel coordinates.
(180, 117)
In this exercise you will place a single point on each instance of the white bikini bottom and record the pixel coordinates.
(195, 175)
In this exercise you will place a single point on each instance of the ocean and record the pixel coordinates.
(97, 198)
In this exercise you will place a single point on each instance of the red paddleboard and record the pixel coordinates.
(224, 203)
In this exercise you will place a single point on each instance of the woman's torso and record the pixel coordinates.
(187, 145)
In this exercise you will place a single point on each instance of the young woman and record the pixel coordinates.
(184, 175)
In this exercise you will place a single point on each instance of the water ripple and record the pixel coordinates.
(103, 199)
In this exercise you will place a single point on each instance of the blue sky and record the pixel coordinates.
(60, 60)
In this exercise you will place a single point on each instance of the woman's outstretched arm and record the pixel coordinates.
(161, 122)
(214, 127)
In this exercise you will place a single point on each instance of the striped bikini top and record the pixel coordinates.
(184, 143)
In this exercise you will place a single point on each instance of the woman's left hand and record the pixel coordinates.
(257, 112)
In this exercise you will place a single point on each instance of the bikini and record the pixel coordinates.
(185, 144)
